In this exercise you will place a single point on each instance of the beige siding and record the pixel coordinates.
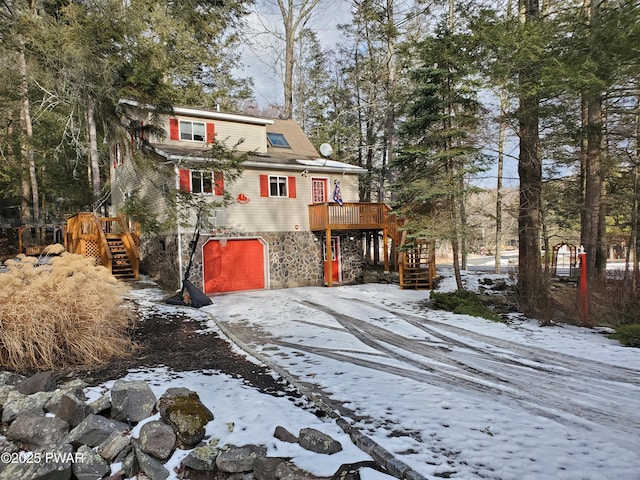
(129, 179)
(252, 137)
(269, 214)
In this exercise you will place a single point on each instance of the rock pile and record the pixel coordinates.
(52, 432)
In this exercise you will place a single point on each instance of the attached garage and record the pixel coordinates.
(234, 264)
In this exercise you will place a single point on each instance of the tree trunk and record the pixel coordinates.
(591, 234)
(390, 120)
(294, 15)
(94, 158)
(634, 240)
(501, 144)
(455, 245)
(288, 72)
(30, 204)
(531, 287)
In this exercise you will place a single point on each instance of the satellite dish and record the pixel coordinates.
(326, 150)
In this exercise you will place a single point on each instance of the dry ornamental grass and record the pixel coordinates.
(65, 312)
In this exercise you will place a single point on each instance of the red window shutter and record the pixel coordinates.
(292, 187)
(218, 183)
(264, 185)
(211, 132)
(174, 129)
(185, 180)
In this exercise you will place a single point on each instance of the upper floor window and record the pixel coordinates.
(277, 140)
(278, 186)
(199, 181)
(194, 131)
(190, 131)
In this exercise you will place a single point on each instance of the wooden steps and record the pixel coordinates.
(121, 266)
(111, 241)
(417, 266)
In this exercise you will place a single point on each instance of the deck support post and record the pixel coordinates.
(329, 272)
(385, 248)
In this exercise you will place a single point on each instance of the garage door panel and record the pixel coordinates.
(238, 265)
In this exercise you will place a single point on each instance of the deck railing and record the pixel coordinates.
(349, 216)
(87, 233)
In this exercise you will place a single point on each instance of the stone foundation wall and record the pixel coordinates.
(295, 258)
(159, 260)
(351, 252)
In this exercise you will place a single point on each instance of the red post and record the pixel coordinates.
(583, 291)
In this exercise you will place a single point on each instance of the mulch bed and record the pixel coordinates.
(178, 342)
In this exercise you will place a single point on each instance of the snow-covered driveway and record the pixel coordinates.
(452, 396)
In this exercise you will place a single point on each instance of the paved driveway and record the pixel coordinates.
(452, 396)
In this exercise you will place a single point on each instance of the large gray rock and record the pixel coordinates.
(289, 471)
(40, 382)
(264, 468)
(317, 441)
(111, 447)
(149, 465)
(10, 378)
(101, 404)
(18, 404)
(5, 390)
(67, 406)
(232, 459)
(131, 401)
(157, 439)
(130, 464)
(284, 435)
(52, 463)
(182, 409)
(38, 431)
(93, 430)
(202, 458)
(89, 465)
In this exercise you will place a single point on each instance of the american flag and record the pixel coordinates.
(337, 196)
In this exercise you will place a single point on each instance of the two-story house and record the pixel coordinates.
(282, 219)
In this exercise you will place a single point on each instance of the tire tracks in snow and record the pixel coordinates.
(513, 373)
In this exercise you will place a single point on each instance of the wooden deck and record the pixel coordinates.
(356, 216)
(327, 217)
(110, 240)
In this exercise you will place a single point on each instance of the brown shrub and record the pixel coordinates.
(66, 312)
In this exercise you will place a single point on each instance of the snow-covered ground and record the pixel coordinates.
(451, 396)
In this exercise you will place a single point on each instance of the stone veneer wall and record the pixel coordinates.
(159, 259)
(295, 258)
(352, 259)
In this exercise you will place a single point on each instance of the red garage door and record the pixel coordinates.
(233, 265)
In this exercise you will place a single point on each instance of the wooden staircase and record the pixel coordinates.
(109, 240)
(417, 265)
(121, 265)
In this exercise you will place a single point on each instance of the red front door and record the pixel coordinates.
(319, 190)
(335, 260)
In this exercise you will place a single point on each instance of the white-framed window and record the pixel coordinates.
(278, 186)
(193, 131)
(201, 182)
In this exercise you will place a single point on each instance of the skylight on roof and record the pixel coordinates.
(277, 140)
